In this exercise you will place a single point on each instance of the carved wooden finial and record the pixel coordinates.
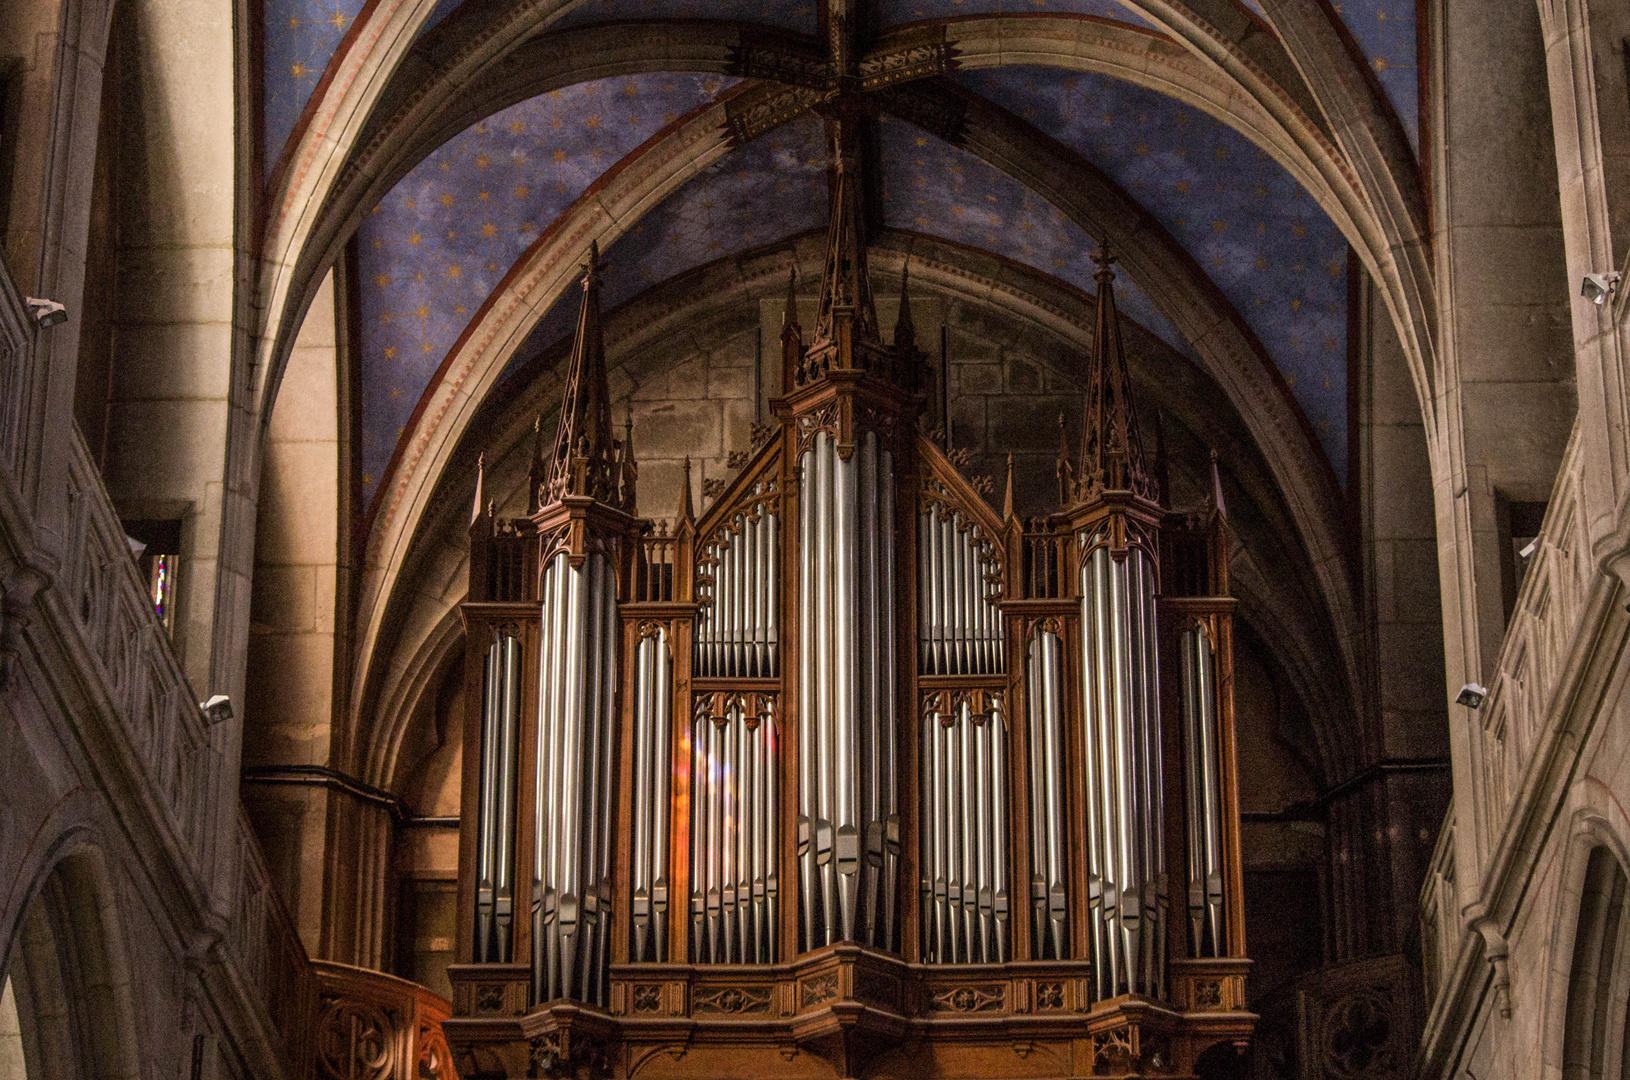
(905, 331)
(480, 472)
(846, 287)
(1111, 448)
(1065, 468)
(1007, 499)
(584, 458)
(1218, 506)
(688, 513)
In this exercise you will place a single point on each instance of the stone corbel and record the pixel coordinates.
(1496, 951)
(17, 614)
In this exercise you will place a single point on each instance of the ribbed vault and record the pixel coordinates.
(648, 336)
(393, 94)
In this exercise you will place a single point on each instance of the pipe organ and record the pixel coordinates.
(850, 762)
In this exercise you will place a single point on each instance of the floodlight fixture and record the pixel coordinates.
(1598, 287)
(46, 312)
(217, 709)
(1472, 695)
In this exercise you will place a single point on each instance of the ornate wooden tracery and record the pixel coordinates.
(851, 762)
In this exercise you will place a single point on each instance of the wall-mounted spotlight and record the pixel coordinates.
(1472, 695)
(1598, 287)
(46, 312)
(217, 709)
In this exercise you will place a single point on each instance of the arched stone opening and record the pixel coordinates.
(1593, 1044)
(69, 981)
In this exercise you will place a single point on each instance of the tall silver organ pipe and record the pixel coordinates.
(959, 590)
(1121, 715)
(735, 841)
(1202, 780)
(653, 711)
(848, 820)
(571, 886)
(495, 820)
(1049, 873)
(736, 625)
(965, 896)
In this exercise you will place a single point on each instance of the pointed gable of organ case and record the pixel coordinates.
(850, 761)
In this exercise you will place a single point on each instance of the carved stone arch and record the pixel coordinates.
(1284, 595)
(70, 972)
(478, 61)
(1593, 863)
(409, 688)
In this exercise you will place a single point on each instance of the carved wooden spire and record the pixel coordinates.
(585, 460)
(847, 313)
(905, 331)
(792, 335)
(1111, 447)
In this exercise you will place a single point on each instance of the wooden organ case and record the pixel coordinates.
(851, 775)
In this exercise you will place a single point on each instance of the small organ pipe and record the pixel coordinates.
(1121, 698)
(734, 822)
(890, 808)
(964, 831)
(653, 683)
(959, 597)
(807, 720)
(576, 748)
(496, 806)
(1202, 776)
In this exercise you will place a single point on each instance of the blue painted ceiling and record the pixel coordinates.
(798, 15)
(1386, 34)
(437, 245)
(931, 187)
(1250, 226)
(300, 39)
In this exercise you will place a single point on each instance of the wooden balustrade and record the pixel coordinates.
(371, 1026)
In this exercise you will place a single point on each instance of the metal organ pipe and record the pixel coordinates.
(1121, 714)
(734, 816)
(734, 886)
(1204, 793)
(576, 747)
(848, 818)
(959, 591)
(964, 833)
(653, 707)
(965, 902)
(1048, 888)
(495, 823)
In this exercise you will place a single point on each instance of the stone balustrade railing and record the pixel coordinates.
(263, 941)
(1441, 928)
(1509, 728)
(77, 582)
(98, 584)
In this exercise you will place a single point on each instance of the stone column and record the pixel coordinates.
(60, 48)
(1590, 105)
(180, 199)
(289, 703)
(1505, 399)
